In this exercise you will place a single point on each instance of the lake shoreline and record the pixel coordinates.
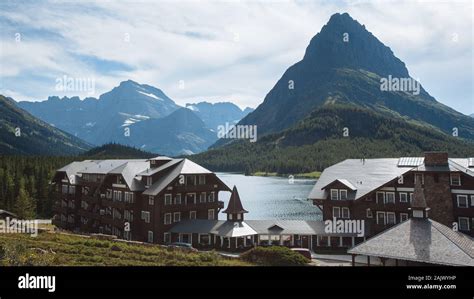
(307, 175)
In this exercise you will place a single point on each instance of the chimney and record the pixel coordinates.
(436, 159)
(418, 205)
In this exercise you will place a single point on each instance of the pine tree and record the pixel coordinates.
(24, 205)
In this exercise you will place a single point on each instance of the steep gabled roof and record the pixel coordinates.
(235, 205)
(421, 240)
(172, 170)
(364, 175)
(128, 171)
(344, 182)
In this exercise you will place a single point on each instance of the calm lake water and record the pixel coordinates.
(271, 197)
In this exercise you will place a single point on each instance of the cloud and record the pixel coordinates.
(232, 50)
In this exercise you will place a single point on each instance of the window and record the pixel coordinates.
(380, 197)
(369, 213)
(381, 218)
(411, 197)
(146, 216)
(192, 214)
(117, 195)
(463, 223)
(403, 217)
(239, 216)
(472, 200)
(334, 194)
(419, 177)
(343, 194)
(202, 180)
(72, 189)
(462, 201)
(391, 218)
(168, 218)
(210, 214)
(345, 213)
(390, 197)
(167, 238)
(202, 197)
(151, 200)
(129, 197)
(230, 216)
(336, 212)
(64, 189)
(191, 198)
(150, 236)
(167, 199)
(177, 199)
(211, 197)
(191, 180)
(177, 217)
(149, 181)
(403, 197)
(455, 179)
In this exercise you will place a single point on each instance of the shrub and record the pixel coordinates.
(274, 256)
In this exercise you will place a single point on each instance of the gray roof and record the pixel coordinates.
(217, 227)
(172, 170)
(421, 240)
(369, 174)
(73, 168)
(234, 229)
(364, 175)
(129, 170)
(132, 169)
(252, 227)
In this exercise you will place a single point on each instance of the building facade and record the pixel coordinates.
(134, 199)
(379, 191)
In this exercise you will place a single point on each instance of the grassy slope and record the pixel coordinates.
(55, 249)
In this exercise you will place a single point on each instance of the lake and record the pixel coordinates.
(271, 197)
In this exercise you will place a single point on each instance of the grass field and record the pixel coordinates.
(55, 249)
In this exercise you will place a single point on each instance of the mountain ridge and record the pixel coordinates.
(35, 137)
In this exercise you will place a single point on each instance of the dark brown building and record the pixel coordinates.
(135, 199)
(379, 191)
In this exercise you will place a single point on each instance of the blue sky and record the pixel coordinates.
(219, 50)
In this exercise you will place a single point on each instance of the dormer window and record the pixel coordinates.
(149, 181)
(455, 179)
(334, 194)
(343, 194)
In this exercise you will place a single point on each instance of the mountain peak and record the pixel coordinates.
(344, 43)
(341, 18)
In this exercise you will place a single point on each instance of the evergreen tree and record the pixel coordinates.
(24, 205)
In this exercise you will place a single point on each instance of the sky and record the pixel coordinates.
(218, 50)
